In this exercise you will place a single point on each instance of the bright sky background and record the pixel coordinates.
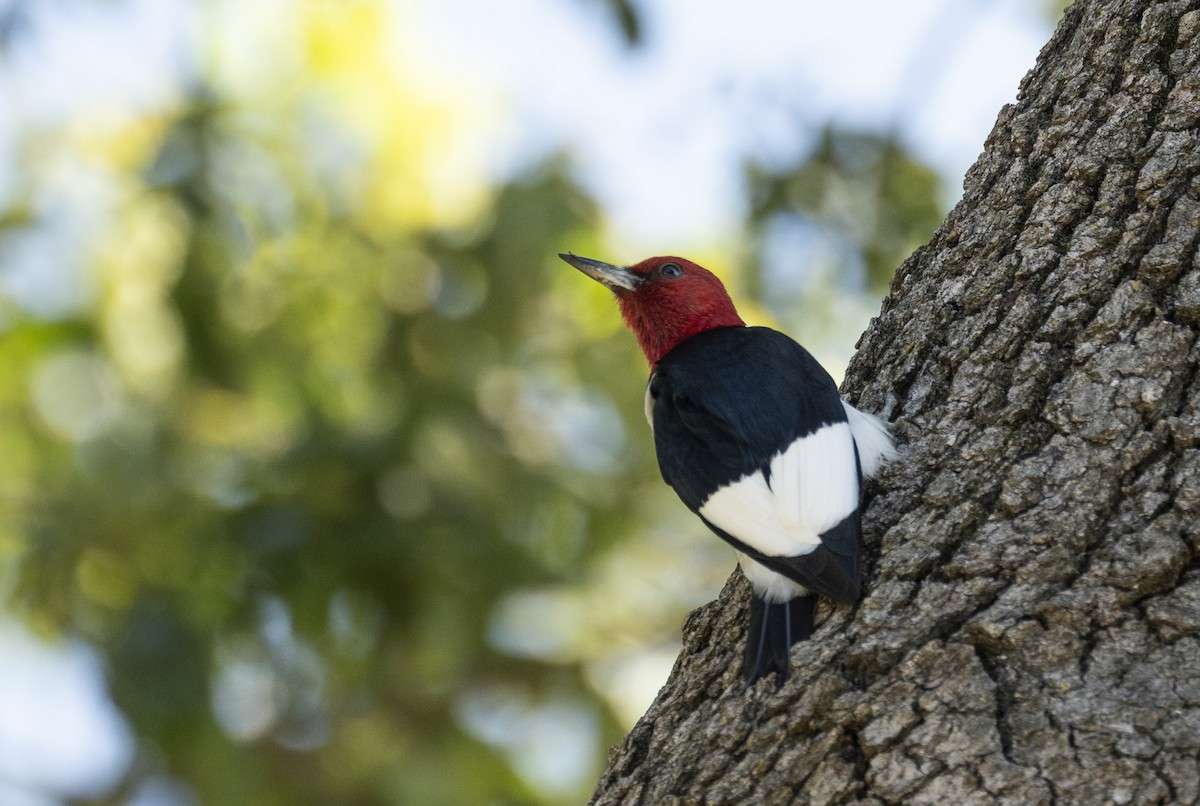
(656, 137)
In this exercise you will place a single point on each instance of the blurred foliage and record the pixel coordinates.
(861, 190)
(826, 231)
(1054, 9)
(628, 20)
(339, 468)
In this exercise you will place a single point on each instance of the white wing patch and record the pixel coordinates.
(814, 486)
(874, 440)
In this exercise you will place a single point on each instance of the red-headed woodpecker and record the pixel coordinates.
(752, 435)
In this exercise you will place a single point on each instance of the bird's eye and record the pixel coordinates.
(670, 271)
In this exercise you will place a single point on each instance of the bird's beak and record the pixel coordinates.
(613, 277)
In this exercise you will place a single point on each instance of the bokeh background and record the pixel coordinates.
(322, 480)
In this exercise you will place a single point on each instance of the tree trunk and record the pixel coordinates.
(1030, 631)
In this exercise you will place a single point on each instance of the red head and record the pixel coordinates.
(664, 300)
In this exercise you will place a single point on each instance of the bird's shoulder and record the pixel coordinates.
(749, 375)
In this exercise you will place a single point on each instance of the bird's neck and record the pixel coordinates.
(660, 330)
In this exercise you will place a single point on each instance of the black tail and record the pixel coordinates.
(774, 628)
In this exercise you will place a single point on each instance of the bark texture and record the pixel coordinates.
(1030, 631)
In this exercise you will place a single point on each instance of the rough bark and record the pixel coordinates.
(1030, 631)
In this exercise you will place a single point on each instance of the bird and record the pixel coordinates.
(751, 433)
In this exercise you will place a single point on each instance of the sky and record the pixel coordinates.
(657, 137)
